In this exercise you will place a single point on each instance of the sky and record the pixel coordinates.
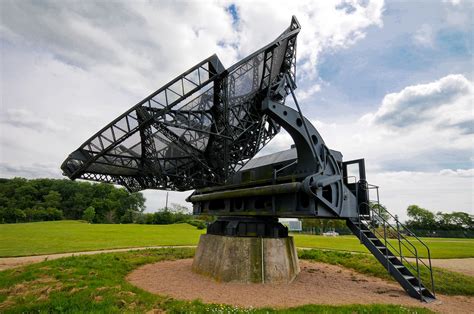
(391, 82)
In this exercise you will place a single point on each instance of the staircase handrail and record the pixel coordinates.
(410, 233)
(402, 257)
(408, 241)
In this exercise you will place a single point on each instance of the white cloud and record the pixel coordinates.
(468, 173)
(35, 170)
(23, 118)
(325, 25)
(134, 45)
(424, 36)
(157, 199)
(432, 190)
(452, 2)
(140, 44)
(445, 102)
(304, 94)
(70, 69)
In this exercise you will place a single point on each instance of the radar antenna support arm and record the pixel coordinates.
(309, 143)
(314, 158)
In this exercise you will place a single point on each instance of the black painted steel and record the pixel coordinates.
(202, 130)
(406, 274)
(267, 227)
(195, 131)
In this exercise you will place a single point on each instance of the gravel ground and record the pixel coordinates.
(317, 283)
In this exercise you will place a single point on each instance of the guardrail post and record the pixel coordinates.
(385, 239)
(399, 239)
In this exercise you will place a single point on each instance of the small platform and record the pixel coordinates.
(246, 259)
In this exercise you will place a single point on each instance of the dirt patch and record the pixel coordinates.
(39, 288)
(317, 283)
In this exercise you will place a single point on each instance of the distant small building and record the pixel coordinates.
(293, 224)
(331, 233)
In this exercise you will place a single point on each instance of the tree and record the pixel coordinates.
(53, 214)
(110, 217)
(137, 202)
(128, 217)
(420, 218)
(44, 199)
(381, 211)
(89, 214)
(52, 199)
(455, 221)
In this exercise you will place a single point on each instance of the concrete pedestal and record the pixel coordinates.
(246, 259)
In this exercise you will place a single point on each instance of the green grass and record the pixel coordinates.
(439, 247)
(73, 236)
(446, 282)
(96, 283)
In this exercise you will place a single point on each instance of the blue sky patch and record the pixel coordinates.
(232, 9)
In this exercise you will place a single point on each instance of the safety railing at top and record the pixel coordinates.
(396, 237)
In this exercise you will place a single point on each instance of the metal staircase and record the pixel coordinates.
(395, 246)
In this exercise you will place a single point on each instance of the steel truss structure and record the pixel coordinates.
(201, 131)
(195, 131)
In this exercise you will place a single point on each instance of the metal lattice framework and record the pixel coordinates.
(195, 131)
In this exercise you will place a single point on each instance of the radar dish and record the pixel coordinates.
(194, 132)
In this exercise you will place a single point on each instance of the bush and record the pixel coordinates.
(41, 214)
(197, 223)
(166, 217)
(11, 216)
(89, 214)
(129, 217)
(54, 214)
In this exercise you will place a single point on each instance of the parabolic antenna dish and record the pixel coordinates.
(195, 131)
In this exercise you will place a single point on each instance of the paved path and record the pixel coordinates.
(461, 265)
(12, 262)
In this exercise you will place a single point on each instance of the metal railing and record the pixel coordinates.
(378, 222)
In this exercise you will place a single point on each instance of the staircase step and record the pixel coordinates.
(428, 299)
(364, 229)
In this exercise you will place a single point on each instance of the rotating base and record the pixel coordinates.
(246, 259)
(250, 226)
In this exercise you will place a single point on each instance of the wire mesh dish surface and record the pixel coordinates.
(195, 131)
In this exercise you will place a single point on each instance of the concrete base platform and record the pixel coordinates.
(246, 259)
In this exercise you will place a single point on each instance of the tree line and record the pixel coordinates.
(421, 221)
(23, 200)
(426, 223)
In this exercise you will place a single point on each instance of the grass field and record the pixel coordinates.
(96, 284)
(73, 236)
(439, 247)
